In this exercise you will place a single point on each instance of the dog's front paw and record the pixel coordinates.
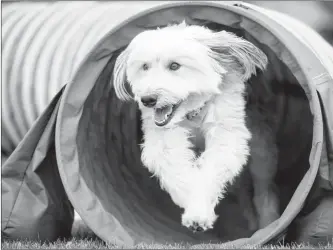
(199, 219)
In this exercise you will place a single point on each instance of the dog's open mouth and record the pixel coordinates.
(163, 115)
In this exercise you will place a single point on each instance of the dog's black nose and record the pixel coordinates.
(149, 101)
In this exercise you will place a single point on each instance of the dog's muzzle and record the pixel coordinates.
(164, 114)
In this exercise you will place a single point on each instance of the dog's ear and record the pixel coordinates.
(119, 76)
(235, 53)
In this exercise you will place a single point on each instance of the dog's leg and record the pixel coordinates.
(263, 167)
(219, 164)
(167, 155)
(227, 150)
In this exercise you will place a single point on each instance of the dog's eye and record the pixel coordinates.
(174, 66)
(145, 67)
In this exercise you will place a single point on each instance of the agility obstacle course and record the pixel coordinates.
(83, 149)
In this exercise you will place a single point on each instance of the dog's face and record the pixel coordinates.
(175, 70)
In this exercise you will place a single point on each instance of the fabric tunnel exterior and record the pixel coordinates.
(71, 143)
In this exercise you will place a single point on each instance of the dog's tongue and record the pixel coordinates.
(162, 114)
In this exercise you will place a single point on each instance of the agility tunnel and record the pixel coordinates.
(80, 145)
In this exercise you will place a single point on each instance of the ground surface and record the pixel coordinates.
(97, 244)
(84, 238)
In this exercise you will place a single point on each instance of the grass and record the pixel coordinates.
(98, 244)
(84, 238)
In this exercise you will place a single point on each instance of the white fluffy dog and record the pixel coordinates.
(189, 84)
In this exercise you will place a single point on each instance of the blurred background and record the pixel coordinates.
(317, 14)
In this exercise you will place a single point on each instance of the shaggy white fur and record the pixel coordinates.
(189, 84)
